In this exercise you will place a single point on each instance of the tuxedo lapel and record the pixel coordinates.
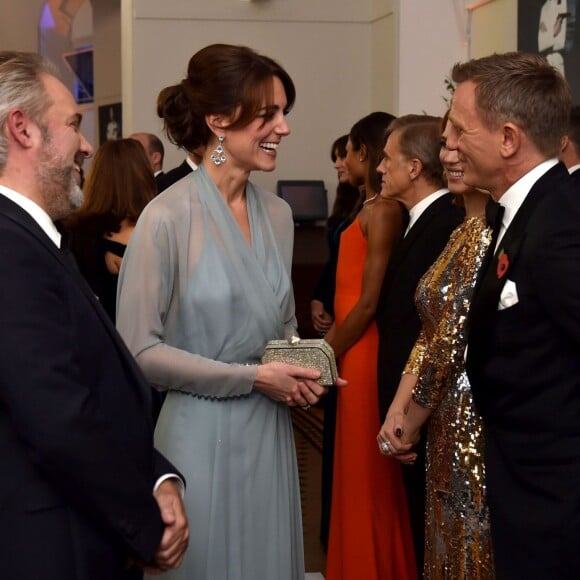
(15, 213)
(418, 228)
(487, 293)
(484, 304)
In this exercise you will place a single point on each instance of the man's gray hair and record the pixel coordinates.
(21, 88)
(521, 88)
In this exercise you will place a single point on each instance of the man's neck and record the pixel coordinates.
(420, 192)
(515, 168)
(513, 176)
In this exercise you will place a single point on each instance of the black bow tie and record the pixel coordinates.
(494, 213)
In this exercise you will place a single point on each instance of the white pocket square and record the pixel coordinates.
(509, 296)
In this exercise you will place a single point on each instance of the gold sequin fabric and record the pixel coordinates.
(457, 534)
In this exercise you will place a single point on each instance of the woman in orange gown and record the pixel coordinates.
(370, 536)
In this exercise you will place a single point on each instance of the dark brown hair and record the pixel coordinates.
(420, 138)
(119, 185)
(348, 198)
(222, 79)
(338, 148)
(372, 131)
(521, 88)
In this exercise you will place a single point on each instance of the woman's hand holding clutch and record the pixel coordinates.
(290, 384)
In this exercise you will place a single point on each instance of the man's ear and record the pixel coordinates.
(564, 143)
(21, 128)
(156, 158)
(511, 140)
(415, 168)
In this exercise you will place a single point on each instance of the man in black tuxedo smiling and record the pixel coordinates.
(509, 114)
(83, 494)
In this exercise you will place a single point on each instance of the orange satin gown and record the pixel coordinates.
(370, 533)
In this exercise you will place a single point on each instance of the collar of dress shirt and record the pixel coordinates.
(191, 164)
(35, 212)
(573, 168)
(513, 198)
(156, 173)
(416, 211)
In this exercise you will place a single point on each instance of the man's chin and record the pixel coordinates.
(470, 180)
(76, 197)
(67, 205)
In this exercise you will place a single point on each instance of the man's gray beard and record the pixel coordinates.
(58, 186)
(76, 197)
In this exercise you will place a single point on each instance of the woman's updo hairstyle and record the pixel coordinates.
(222, 79)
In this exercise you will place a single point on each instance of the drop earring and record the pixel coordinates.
(218, 156)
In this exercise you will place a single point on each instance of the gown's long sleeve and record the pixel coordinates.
(437, 358)
(178, 310)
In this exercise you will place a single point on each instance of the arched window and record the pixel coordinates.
(66, 38)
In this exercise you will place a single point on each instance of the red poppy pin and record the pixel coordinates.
(503, 264)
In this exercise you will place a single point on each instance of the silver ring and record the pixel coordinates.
(385, 447)
(306, 407)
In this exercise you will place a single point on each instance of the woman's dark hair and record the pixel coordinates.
(371, 131)
(347, 203)
(348, 199)
(222, 79)
(338, 148)
(118, 186)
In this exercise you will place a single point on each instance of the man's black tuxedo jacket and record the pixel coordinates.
(523, 363)
(78, 464)
(159, 178)
(168, 179)
(575, 177)
(397, 319)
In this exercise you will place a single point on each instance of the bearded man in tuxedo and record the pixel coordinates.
(83, 494)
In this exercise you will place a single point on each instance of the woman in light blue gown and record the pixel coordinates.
(205, 283)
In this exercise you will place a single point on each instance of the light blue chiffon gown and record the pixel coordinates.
(196, 305)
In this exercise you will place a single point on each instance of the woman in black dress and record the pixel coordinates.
(119, 185)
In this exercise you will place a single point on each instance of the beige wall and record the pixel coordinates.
(107, 51)
(494, 28)
(384, 57)
(327, 53)
(432, 38)
(347, 58)
(19, 24)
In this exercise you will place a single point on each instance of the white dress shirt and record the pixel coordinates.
(35, 212)
(513, 198)
(416, 211)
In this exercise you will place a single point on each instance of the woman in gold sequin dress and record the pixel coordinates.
(435, 385)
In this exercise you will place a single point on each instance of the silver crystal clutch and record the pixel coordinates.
(309, 353)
